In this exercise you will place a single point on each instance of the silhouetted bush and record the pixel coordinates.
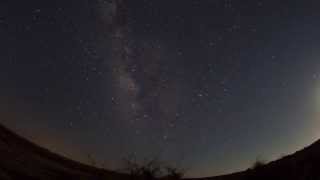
(151, 170)
(258, 164)
(173, 173)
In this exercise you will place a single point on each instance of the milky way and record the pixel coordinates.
(209, 86)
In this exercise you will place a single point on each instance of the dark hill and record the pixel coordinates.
(302, 165)
(21, 159)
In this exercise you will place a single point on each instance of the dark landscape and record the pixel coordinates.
(21, 159)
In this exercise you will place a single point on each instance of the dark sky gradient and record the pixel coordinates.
(208, 85)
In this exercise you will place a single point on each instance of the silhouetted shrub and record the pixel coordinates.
(258, 164)
(151, 170)
(173, 173)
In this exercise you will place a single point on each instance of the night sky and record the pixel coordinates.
(206, 85)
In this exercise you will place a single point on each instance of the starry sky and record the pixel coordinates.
(206, 85)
